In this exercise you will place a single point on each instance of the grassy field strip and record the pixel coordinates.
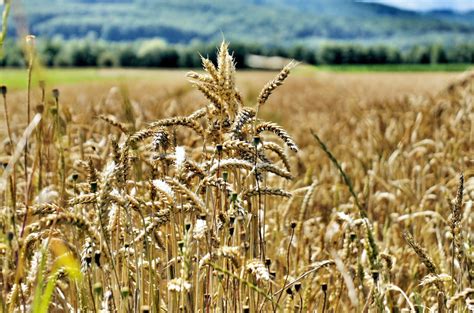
(15, 78)
(396, 68)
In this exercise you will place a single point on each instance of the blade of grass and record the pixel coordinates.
(373, 248)
(347, 180)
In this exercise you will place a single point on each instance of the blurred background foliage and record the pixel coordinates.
(140, 33)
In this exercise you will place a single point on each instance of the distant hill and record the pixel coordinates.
(271, 22)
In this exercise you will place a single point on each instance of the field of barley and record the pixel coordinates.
(225, 191)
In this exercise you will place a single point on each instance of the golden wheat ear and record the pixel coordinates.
(211, 69)
(421, 252)
(274, 83)
(279, 131)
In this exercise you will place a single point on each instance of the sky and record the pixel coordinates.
(460, 5)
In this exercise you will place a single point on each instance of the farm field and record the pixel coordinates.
(153, 191)
(324, 90)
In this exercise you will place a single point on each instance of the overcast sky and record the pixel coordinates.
(461, 5)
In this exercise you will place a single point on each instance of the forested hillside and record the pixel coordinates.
(267, 22)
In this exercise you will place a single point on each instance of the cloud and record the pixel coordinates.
(461, 5)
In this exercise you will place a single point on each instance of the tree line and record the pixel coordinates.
(156, 53)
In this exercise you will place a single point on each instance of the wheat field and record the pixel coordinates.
(239, 192)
